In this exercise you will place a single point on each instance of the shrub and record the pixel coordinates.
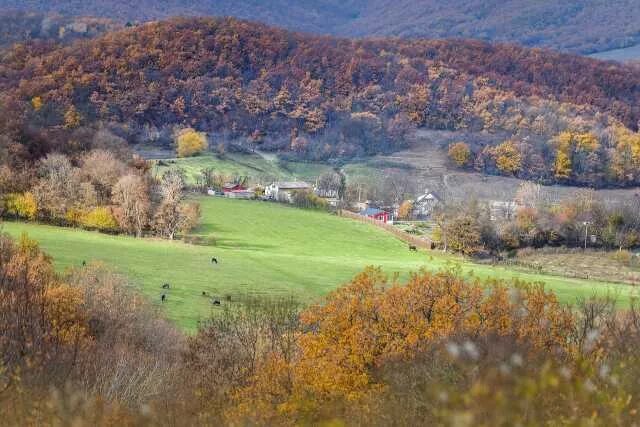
(100, 218)
(308, 200)
(22, 205)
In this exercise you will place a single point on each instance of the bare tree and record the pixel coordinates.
(168, 219)
(59, 187)
(131, 194)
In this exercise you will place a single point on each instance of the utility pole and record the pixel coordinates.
(586, 233)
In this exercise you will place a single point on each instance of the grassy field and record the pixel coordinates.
(254, 166)
(266, 249)
(619, 267)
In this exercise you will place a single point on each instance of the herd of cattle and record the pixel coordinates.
(214, 300)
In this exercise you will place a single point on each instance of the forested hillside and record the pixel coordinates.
(582, 26)
(558, 118)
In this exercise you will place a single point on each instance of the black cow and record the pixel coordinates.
(413, 248)
(163, 297)
(214, 260)
(204, 293)
(84, 263)
(166, 286)
(215, 302)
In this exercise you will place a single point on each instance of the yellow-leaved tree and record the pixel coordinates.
(459, 153)
(405, 209)
(190, 142)
(100, 218)
(508, 157)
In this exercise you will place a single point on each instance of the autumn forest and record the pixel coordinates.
(321, 98)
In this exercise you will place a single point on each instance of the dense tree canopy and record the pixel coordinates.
(322, 98)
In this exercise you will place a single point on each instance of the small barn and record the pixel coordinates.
(377, 214)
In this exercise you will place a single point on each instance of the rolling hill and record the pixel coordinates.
(581, 26)
(319, 98)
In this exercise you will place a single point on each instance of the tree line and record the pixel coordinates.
(534, 221)
(98, 190)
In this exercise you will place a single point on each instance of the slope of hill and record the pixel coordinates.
(268, 249)
(319, 98)
(582, 26)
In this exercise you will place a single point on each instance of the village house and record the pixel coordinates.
(425, 204)
(284, 191)
(377, 214)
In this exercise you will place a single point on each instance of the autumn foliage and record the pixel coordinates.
(319, 98)
(435, 347)
(189, 142)
(371, 322)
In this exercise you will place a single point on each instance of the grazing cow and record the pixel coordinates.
(163, 297)
(84, 263)
(215, 302)
(413, 248)
(214, 260)
(166, 286)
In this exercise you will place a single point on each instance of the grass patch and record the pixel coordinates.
(252, 165)
(266, 249)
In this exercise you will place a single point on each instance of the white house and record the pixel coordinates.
(283, 191)
(425, 204)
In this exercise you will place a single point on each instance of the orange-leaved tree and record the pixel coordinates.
(372, 321)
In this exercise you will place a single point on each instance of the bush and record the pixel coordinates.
(100, 218)
(22, 205)
(460, 153)
(308, 200)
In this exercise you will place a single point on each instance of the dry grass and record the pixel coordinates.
(620, 267)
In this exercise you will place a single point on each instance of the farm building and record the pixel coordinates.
(425, 204)
(377, 214)
(283, 191)
(233, 187)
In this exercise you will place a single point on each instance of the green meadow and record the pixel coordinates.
(258, 167)
(267, 249)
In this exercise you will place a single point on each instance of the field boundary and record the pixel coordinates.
(402, 235)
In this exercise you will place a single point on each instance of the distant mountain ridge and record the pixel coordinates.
(579, 26)
(21, 26)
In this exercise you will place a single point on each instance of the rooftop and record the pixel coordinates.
(371, 212)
